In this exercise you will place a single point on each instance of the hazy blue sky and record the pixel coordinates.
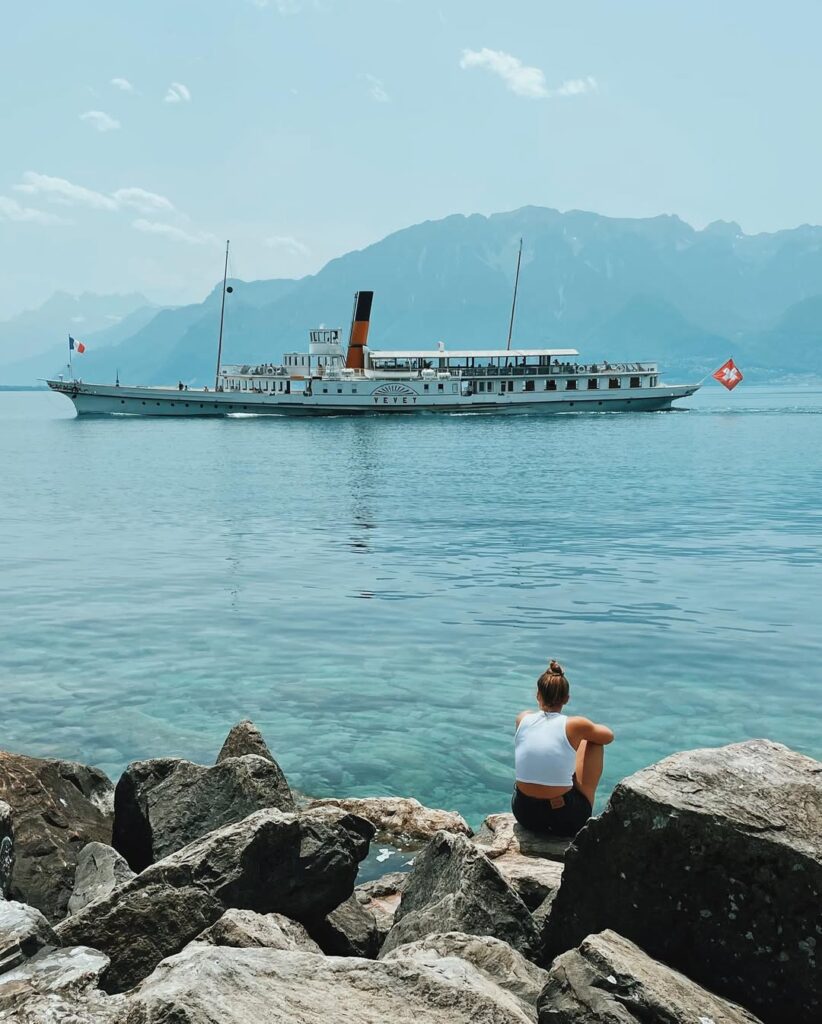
(137, 136)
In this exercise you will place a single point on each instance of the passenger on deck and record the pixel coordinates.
(558, 761)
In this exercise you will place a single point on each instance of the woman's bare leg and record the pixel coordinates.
(590, 759)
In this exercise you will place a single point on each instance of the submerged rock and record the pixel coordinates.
(609, 980)
(300, 865)
(163, 804)
(494, 959)
(399, 819)
(711, 861)
(57, 807)
(381, 896)
(244, 929)
(204, 985)
(244, 738)
(453, 886)
(6, 849)
(100, 869)
(24, 927)
(348, 930)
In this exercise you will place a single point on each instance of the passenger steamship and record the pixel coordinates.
(330, 380)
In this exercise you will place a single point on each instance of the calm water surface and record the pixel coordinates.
(380, 594)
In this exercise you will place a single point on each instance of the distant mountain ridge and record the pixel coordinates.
(615, 288)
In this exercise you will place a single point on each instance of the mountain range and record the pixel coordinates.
(619, 289)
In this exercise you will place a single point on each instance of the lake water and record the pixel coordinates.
(380, 594)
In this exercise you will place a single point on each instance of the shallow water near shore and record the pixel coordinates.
(380, 594)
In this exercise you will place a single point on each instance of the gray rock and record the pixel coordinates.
(300, 865)
(204, 985)
(349, 930)
(244, 929)
(244, 738)
(58, 987)
(711, 861)
(400, 820)
(381, 896)
(531, 864)
(493, 958)
(609, 980)
(100, 869)
(6, 849)
(25, 927)
(163, 804)
(58, 807)
(455, 887)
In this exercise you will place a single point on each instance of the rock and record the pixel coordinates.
(100, 869)
(711, 861)
(493, 958)
(25, 927)
(244, 738)
(163, 804)
(399, 819)
(58, 987)
(455, 887)
(300, 865)
(6, 849)
(58, 807)
(244, 929)
(205, 985)
(382, 897)
(501, 834)
(609, 980)
(349, 930)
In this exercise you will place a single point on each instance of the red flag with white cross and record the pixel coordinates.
(729, 375)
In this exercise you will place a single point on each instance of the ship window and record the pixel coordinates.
(455, 388)
(550, 385)
(481, 386)
(510, 385)
(490, 385)
(440, 387)
(528, 386)
(614, 382)
(570, 385)
(353, 391)
(325, 391)
(339, 391)
(593, 383)
(653, 382)
(635, 382)
(425, 387)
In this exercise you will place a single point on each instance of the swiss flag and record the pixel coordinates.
(729, 375)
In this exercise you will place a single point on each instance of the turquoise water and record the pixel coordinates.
(379, 595)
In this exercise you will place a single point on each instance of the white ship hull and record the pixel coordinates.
(361, 397)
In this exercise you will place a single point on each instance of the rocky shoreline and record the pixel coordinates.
(194, 894)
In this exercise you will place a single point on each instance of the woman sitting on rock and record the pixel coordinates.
(558, 761)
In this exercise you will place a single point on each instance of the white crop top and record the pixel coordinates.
(542, 753)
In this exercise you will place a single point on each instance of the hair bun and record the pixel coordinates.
(556, 668)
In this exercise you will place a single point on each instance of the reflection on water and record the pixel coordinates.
(165, 578)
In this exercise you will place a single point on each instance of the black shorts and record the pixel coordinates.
(537, 815)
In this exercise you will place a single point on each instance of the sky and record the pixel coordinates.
(138, 135)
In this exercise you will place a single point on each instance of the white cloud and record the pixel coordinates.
(122, 84)
(288, 244)
(178, 93)
(140, 199)
(10, 209)
(521, 79)
(61, 191)
(154, 227)
(102, 122)
(377, 89)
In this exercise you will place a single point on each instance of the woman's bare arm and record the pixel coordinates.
(579, 729)
(520, 717)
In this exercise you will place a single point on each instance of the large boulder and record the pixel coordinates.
(300, 865)
(6, 849)
(163, 804)
(24, 927)
(531, 864)
(204, 985)
(399, 820)
(493, 958)
(244, 738)
(711, 861)
(609, 980)
(244, 929)
(100, 869)
(381, 897)
(348, 930)
(58, 807)
(453, 887)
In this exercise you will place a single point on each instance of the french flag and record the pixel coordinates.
(76, 346)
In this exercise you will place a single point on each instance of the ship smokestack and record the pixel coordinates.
(358, 338)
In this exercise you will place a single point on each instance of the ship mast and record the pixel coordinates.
(514, 303)
(222, 317)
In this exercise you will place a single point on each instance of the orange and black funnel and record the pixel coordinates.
(358, 338)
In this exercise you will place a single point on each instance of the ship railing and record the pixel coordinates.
(554, 370)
